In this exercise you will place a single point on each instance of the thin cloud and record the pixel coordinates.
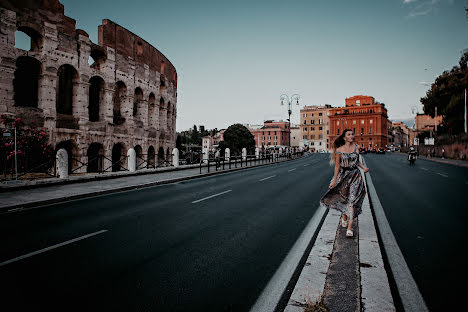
(423, 83)
(423, 8)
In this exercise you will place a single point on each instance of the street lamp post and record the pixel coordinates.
(289, 101)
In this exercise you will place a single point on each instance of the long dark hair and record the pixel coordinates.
(339, 141)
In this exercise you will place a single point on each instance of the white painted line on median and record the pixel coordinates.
(424, 169)
(441, 174)
(205, 198)
(275, 288)
(292, 169)
(407, 288)
(267, 178)
(51, 247)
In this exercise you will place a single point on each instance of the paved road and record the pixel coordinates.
(167, 248)
(425, 205)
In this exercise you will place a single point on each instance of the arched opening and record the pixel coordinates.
(95, 157)
(151, 110)
(168, 118)
(160, 154)
(118, 157)
(67, 76)
(168, 154)
(151, 157)
(96, 97)
(162, 107)
(138, 97)
(97, 57)
(162, 84)
(120, 93)
(27, 39)
(26, 81)
(139, 156)
(68, 146)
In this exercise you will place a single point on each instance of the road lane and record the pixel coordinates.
(426, 211)
(163, 254)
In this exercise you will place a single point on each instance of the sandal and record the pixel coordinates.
(349, 233)
(344, 223)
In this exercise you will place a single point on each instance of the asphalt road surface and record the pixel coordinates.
(209, 244)
(426, 207)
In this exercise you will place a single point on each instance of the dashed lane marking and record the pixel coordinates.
(267, 178)
(424, 169)
(292, 169)
(51, 247)
(441, 174)
(205, 198)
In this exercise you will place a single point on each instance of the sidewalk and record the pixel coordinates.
(448, 161)
(54, 190)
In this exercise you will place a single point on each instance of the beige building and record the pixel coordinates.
(314, 124)
(295, 136)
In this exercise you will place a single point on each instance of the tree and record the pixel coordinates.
(447, 93)
(237, 137)
(196, 138)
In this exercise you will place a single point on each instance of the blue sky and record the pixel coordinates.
(235, 58)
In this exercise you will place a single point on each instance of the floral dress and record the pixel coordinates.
(349, 191)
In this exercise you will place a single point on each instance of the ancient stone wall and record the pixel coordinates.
(126, 99)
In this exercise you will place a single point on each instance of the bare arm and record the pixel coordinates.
(360, 165)
(337, 169)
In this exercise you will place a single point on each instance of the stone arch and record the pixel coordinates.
(138, 97)
(35, 38)
(97, 57)
(120, 93)
(152, 110)
(96, 98)
(139, 156)
(66, 89)
(162, 117)
(151, 157)
(26, 81)
(160, 154)
(162, 83)
(119, 152)
(168, 154)
(95, 155)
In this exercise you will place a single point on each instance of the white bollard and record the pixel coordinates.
(227, 154)
(62, 164)
(257, 153)
(175, 157)
(131, 160)
(206, 155)
(244, 154)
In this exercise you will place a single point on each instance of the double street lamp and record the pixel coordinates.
(290, 100)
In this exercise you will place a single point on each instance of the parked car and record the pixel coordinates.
(362, 150)
(381, 150)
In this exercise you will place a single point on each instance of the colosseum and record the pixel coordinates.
(127, 97)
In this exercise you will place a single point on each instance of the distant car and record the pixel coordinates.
(381, 150)
(362, 150)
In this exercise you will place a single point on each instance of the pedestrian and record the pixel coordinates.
(346, 190)
(217, 158)
(443, 153)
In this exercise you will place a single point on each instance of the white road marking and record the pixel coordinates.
(292, 169)
(267, 178)
(424, 169)
(441, 174)
(205, 198)
(306, 165)
(51, 247)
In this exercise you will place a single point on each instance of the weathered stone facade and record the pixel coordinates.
(126, 99)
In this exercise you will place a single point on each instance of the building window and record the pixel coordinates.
(312, 128)
(354, 122)
(370, 130)
(312, 137)
(320, 143)
(328, 132)
(370, 121)
(358, 102)
(362, 131)
(312, 122)
(337, 123)
(354, 130)
(320, 121)
(320, 137)
(362, 121)
(275, 138)
(312, 114)
(320, 114)
(305, 122)
(320, 128)
(338, 131)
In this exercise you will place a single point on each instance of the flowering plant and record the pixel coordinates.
(32, 148)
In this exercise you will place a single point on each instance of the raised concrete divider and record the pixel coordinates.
(375, 288)
(407, 288)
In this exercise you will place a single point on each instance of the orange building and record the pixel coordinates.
(366, 117)
(272, 134)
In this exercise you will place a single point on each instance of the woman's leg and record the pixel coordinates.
(351, 216)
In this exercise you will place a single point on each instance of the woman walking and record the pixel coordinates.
(346, 191)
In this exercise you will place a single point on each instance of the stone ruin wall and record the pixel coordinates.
(133, 85)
